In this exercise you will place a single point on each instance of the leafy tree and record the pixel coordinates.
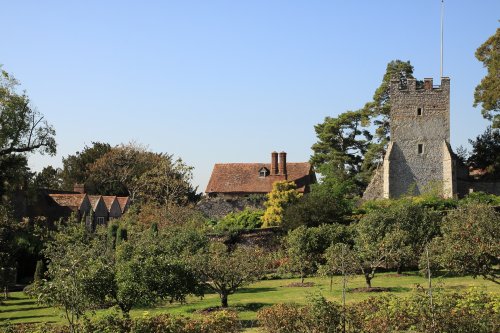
(76, 168)
(148, 271)
(302, 251)
(487, 92)
(305, 246)
(284, 194)
(327, 203)
(339, 259)
(376, 243)
(486, 152)
(79, 274)
(167, 183)
(49, 177)
(22, 128)
(342, 142)
(225, 272)
(469, 244)
(348, 143)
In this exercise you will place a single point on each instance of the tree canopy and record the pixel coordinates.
(487, 92)
(354, 142)
(22, 128)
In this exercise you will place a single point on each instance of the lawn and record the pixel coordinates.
(256, 296)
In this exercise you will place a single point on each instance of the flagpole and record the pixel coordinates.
(442, 36)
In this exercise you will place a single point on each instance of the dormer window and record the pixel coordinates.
(263, 172)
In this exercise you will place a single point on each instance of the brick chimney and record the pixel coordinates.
(79, 188)
(282, 164)
(274, 163)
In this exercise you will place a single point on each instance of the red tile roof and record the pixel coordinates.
(74, 201)
(123, 201)
(94, 200)
(244, 177)
(108, 200)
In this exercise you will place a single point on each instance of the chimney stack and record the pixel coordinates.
(274, 163)
(282, 164)
(79, 188)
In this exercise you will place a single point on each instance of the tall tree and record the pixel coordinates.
(486, 152)
(49, 177)
(76, 168)
(354, 142)
(487, 92)
(22, 128)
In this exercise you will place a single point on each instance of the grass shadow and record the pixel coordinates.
(254, 307)
(21, 309)
(249, 323)
(27, 302)
(255, 290)
(24, 317)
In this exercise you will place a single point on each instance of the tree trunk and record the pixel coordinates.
(302, 278)
(400, 269)
(368, 280)
(331, 283)
(223, 300)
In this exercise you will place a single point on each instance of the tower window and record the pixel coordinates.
(420, 148)
(419, 111)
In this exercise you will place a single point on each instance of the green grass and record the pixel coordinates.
(20, 309)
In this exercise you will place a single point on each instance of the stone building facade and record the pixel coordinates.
(419, 155)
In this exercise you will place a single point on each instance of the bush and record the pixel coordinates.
(218, 322)
(247, 219)
(472, 311)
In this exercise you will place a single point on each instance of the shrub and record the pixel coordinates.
(218, 322)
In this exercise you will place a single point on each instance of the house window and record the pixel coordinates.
(419, 111)
(420, 148)
(100, 220)
(263, 172)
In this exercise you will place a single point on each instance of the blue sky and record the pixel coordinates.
(230, 81)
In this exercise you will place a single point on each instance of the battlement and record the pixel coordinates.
(409, 85)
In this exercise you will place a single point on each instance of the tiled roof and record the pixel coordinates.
(108, 200)
(74, 201)
(94, 200)
(244, 177)
(123, 201)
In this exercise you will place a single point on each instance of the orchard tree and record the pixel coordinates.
(147, 271)
(284, 194)
(22, 128)
(302, 251)
(375, 244)
(79, 273)
(487, 92)
(225, 272)
(469, 244)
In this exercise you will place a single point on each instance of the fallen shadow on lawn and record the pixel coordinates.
(255, 290)
(25, 317)
(22, 309)
(27, 302)
(249, 323)
(379, 289)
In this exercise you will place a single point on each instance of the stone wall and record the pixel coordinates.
(216, 208)
(375, 189)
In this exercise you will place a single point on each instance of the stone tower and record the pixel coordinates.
(419, 156)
